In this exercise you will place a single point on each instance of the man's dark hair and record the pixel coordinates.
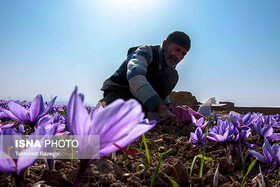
(180, 38)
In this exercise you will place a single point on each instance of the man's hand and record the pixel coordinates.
(167, 117)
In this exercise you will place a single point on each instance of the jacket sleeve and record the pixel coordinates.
(137, 65)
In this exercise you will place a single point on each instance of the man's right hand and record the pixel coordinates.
(167, 117)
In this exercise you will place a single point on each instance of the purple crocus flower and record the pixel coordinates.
(36, 111)
(220, 132)
(4, 116)
(21, 130)
(18, 166)
(270, 120)
(197, 138)
(119, 123)
(274, 136)
(233, 136)
(59, 118)
(266, 131)
(6, 126)
(199, 122)
(48, 124)
(247, 119)
(245, 132)
(271, 155)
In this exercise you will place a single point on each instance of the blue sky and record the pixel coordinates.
(49, 47)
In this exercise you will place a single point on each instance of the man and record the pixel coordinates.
(148, 74)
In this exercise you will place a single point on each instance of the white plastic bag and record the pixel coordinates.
(205, 108)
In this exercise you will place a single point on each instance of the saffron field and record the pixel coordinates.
(220, 150)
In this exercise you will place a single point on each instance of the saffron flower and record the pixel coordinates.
(271, 121)
(119, 123)
(18, 166)
(247, 119)
(220, 132)
(59, 118)
(271, 155)
(21, 130)
(199, 122)
(6, 126)
(4, 116)
(197, 138)
(36, 111)
(266, 131)
(239, 129)
(48, 123)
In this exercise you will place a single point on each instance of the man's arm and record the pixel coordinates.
(141, 88)
(136, 75)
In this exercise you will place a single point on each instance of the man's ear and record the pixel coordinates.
(164, 44)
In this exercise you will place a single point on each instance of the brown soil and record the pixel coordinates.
(176, 164)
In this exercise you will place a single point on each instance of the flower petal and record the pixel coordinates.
(199, 122)
(36, 107)
(131, 137)
(193, 136)
(48, 108)
(117, 119)
(94, 111)
(77, 116)
(258, 156)
(17, 113)
(246, 119)
(266, 131)
(274, 136)
(193, 120)
(45, 121)
(6, 164)
(267, 151)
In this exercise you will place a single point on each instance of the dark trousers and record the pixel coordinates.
(164, 82)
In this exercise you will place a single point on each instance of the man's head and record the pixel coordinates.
(175, 47)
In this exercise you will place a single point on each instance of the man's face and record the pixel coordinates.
(173, 53)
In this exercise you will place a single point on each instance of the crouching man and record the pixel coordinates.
(148, 74)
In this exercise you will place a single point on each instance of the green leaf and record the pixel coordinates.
(249, 169)
(140, 148)
(251, 166)
(174, 184)
(193, 163)
(206, 158)
(146, 148)
(156, 171)
(159, 165)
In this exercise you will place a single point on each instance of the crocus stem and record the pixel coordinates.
(241, 157)
(83, 166)
(50, 164)
(204, 151)
(229, 148)
(269, 171)
(19, 180)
